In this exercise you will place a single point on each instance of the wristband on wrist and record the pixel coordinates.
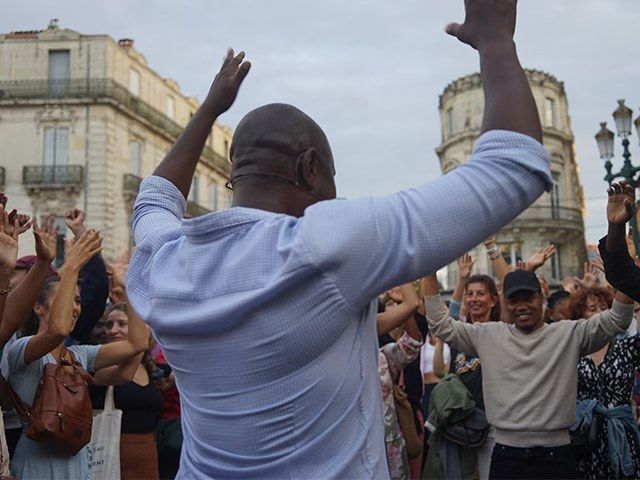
(494, 253)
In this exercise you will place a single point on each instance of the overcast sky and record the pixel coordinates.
(370, 72)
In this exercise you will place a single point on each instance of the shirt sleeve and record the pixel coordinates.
(156, 220)
(369, 245)
(401, 353)
(600, 329)
(86, 355)
(460, 335)
(15, 356)
(620, 270)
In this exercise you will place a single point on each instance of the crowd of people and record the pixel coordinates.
(296, 336)
(78, 316)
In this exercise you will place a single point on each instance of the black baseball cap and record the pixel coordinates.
(520, 280)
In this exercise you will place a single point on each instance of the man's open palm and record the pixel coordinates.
(224, 89)
(621, 203)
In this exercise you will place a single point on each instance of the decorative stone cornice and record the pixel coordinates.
(474, 81)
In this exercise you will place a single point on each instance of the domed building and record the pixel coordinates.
(557, 217)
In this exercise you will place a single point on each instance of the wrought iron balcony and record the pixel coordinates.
(101, 90)
(195, 210)
(541, 215)
(130, 185)
(52, 176)
(2, 178)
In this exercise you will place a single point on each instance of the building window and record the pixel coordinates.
(135, 158)
(56, 146)
(170, 109)
(556, 195)
(450, 123)
(58, 72)
(213, 196)
(134, 82)
(550, 112)
(194, 192)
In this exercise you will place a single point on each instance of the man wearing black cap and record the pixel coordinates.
(529, 373)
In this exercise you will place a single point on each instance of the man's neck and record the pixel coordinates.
(285, 201)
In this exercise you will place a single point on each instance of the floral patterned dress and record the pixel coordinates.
(610, 384)
(392, 358)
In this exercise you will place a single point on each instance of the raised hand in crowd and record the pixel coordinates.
(539, 258)
(590, 277)
(500, 265)
(61, 309)
(465, 268)
(396, 316)
(180, 163)
(46, 239)
(620, 269)
(8, 256)
(74, 220)
(124, 371)
(29, 279)
(117, 271)
(8, 244)
(489, 27)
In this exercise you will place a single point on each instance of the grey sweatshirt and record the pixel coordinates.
(529, 381)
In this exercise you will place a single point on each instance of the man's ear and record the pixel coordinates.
(308, 168)
(38, 309)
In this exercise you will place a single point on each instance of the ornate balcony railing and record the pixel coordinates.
(195, 210)
(131, 185)
(2, 178)
(549, 213)
(52, 176)
(97, 89)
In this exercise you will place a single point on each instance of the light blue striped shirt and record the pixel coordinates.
(268, 320)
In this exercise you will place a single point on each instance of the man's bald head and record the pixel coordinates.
(270, 138)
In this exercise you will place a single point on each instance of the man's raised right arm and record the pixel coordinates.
(369, 245)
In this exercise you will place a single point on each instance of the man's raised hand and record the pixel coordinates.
(224, 90)
(45, 238)
(486, 22)
(74, 220)
(621, 204)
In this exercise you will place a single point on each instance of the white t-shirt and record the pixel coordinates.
(426, 357)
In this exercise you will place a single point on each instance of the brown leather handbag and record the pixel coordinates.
(62, 414)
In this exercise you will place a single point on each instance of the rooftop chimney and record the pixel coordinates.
(126, 43)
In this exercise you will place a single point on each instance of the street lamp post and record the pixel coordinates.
(623, 117)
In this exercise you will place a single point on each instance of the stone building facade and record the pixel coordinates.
(82, 119)
(557, 217)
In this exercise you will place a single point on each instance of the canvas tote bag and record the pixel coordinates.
(104, 447)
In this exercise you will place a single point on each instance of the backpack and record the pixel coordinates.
(62, 414)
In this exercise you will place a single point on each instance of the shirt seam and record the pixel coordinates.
(327, 275)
